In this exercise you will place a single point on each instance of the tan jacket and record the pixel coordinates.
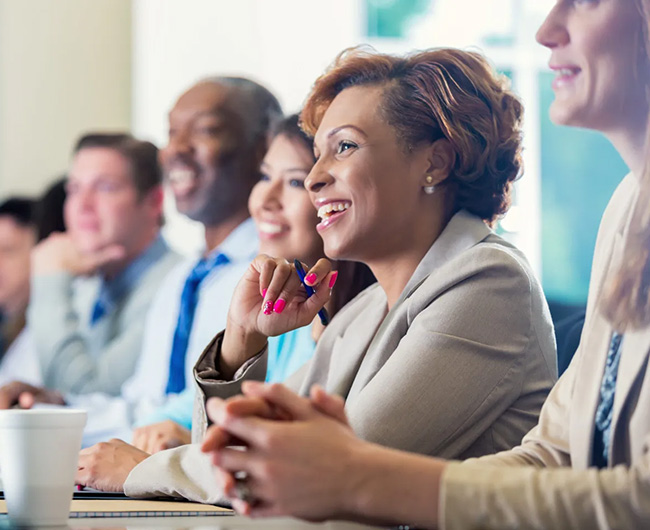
(459, 367)
(574, 496)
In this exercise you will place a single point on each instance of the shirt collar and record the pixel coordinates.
(129, 277)
(240, 245)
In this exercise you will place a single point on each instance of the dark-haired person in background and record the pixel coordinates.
(48, 214)
(92, 286)
(285, 220)
(23, 223)
(17, 238)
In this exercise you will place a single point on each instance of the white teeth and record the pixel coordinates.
(181, 176)
(328, 209)
(566, 71)
(270, 228)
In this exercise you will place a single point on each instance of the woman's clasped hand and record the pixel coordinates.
(251, 420)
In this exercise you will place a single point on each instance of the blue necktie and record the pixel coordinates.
(189, 299)
(605, 410)
(101, 305)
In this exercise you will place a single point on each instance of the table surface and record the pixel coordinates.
(218, 518)
(222, 523)
(226, 522)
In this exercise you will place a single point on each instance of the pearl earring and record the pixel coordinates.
(431, 187)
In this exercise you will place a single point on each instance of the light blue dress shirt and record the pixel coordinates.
(112, 291)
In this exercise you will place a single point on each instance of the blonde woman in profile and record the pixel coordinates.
(452, 352)
(587, 462)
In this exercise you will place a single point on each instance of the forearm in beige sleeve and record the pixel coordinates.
(476, 496)
(183, 472)
(209, 379)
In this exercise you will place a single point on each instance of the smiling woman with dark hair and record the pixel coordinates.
(452, 351)
(285, 221)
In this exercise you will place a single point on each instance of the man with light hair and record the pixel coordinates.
(92, 285)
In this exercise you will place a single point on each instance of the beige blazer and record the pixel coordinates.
(573, 496)
(459, 367)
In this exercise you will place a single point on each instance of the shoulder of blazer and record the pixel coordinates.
(492, 257)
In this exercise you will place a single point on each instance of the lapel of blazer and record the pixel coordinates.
(634, 356)
(586, 393)
(595, 347)
(462, 232)
(351, 348)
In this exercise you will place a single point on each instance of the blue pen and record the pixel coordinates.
(324, 317)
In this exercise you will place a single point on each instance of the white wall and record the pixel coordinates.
(65, 67)
(284, 44)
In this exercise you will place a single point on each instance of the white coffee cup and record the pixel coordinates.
(39, 451)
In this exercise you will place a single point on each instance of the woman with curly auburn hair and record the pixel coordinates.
(452, 352)
(587, 462)
(440, 94)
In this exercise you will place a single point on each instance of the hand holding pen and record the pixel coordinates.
(270, 300)
(322, 314)
(293, 291)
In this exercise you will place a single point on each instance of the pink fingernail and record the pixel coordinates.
(268, 307)
(311, 278)
(279, 305)
(264, 292)
(333, 278)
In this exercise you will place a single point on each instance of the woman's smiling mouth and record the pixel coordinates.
(330, 212)
(270, 229)
(564, 75)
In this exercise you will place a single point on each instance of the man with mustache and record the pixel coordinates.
(217, 139)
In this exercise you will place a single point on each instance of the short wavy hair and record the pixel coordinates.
(142, 156)
(433, 94)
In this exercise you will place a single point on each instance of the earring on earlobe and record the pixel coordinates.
(431, 187)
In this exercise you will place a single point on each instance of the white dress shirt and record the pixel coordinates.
(20, 362)
(110, 417)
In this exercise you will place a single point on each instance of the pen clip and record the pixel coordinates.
(322, 314)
